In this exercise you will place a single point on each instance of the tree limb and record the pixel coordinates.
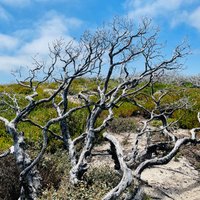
(127, 173)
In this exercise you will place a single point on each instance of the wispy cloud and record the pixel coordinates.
(8, 42)
(152, 8)
(173, 12)
(9, 63)
(44, 32)
(191, 18)
(194, 18)
(50, 28)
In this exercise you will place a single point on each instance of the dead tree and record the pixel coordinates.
(161, 111)
(81, 60)
(153, 152)
(78, 60)
(29, 176)
(75, 60)
(122, 42)
(30, 182)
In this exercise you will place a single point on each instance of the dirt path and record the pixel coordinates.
(177, 180)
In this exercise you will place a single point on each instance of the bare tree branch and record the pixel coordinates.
(127, 173)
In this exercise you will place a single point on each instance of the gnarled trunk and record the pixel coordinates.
(69, 144)
(30, 182)
(81, 167)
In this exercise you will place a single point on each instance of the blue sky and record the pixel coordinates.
(28, 26)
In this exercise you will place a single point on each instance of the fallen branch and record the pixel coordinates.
(163, 160)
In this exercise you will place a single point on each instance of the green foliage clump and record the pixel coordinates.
(126, 110)
(5, 139)
(15, 88)
(158, 123)
(82, 84)
(121, 125)
(147, 197)
(188, 119)
(5, 143)
(77, 122)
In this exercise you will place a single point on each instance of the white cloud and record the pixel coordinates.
(154, 8)
(191, 18)
(8, 63)
(48, 30)
(173, 12)
(44, 32)
(194, 18)
(181, 17)
(8, 42)
(53, 26)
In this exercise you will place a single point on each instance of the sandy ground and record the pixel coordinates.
(177, 180)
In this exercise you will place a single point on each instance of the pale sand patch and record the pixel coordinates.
(177, 180)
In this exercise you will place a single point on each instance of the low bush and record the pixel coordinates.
(119, 125)
(52, 169)
(126, 110)
(97, 182)
(9, 179)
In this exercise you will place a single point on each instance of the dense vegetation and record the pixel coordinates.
(125, 121)
(123, 114)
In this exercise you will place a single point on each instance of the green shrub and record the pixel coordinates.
(5, 138)
(96, 183)
(158, 123)
(5, 143)
(147, 197)
(52, 168)
(15, 88)
(188, 119)
(126, 110)
(77, 122)
(120, 125)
